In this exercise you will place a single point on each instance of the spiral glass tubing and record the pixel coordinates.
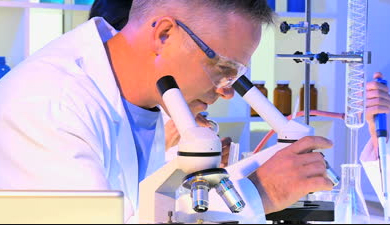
(356, 82)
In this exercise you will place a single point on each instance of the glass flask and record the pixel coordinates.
(350, 206)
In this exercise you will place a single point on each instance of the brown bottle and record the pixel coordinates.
(313, 96)
(282, 97)
(261, 86)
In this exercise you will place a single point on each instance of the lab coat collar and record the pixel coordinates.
(94, 61)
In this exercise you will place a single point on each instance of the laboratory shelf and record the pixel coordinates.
(22, 4)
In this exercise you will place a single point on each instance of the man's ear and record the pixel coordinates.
(163, 29)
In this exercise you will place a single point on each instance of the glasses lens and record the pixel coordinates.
(223, 72)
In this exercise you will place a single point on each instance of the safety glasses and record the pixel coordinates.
(222, 71)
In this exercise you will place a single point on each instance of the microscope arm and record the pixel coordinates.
(157, 196)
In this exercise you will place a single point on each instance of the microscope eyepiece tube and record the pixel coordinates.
(175, 103)
(200, 195)
(253, 96)
(229, 194)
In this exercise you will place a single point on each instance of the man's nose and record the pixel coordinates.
(225, 93)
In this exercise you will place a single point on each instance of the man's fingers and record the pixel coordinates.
(308, 144)
(314, 169)
(376, 93)
(378, 102)
(202, 121)
(373, 85)
(377, 105)
(226, 141)
(316, 184)
(378, 75)
(377, 109)
(309, 158)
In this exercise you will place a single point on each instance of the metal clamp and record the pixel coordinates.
(323, 57)
(302, 27)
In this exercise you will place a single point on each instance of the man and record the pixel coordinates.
(81, 113)
(116, 13)
(378, 101)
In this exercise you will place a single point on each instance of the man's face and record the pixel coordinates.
(236, 40)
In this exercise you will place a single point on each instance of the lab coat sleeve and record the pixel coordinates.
(370, 164)
(49, 144)
(253, 212)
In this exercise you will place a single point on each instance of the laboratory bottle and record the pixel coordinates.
(350, 206)
(4, 69)
(283, 97)
(313, 96)
(259, 84)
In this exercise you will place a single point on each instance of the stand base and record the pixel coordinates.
(315, 211)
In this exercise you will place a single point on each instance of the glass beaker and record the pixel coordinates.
(350, 206)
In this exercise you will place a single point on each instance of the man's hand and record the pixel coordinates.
(172, 135)
(292, 173)
(378, 101)
(226, 142)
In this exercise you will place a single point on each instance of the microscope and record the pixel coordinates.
(288, 133)
(195, 168)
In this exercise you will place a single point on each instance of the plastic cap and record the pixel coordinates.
(2, 60)
(312, 82)
(283, 82)
(259, 82)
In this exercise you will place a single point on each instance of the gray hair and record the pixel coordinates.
(257, 10)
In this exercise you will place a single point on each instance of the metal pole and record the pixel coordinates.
(307, 66)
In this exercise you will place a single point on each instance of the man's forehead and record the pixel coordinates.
(237, 39)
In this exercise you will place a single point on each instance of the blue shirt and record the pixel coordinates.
(143, 123)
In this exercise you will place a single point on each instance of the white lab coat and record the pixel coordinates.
(63, 125)
(371, 166)
(62, 121)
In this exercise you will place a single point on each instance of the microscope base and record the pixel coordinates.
(312, 211)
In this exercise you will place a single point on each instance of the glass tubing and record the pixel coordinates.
(355, 105)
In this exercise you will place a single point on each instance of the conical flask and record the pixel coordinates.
(350, 206)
